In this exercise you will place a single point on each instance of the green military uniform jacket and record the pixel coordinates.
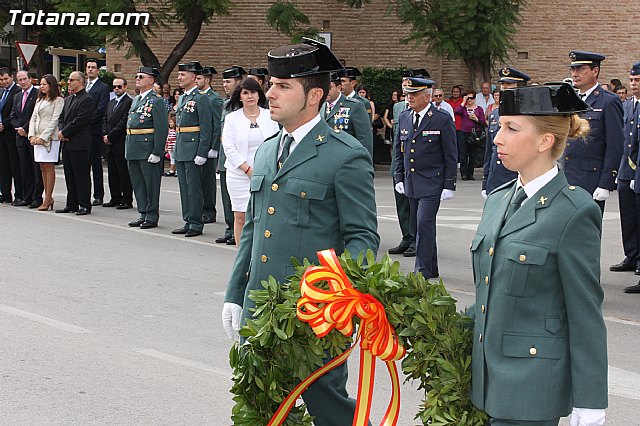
(349, 116)
(323, 197)
(540, 344)
(366, 103)
(398, 107)
(222, 157)
(194, 109)
(149, 112)
(216, 111)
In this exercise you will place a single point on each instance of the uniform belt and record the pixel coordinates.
(631, 164)
(189, 129)
(140, 131)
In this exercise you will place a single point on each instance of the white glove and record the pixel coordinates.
(199, 160)
(231, 316)
(601, 194)
(587, 417)
(212, 153)
(154, 159)
(484, 194)
(447, 194)
(400, 187)
(632, 184)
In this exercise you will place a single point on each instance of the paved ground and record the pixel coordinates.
(104, 324)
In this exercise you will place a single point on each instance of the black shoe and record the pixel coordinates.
(633, 289)
(398, 249)
(16, 201)
(148, 224)
(463, 178)
(624, 266)
(123, 206)
(110, 204)
(410, 252)
(471, 178)
(21, 203)
(637, 271)
(66, 210)
(169, 174)
(180, 231)
(435, 275)
(136, 223)
(83, 212)
(223, 239)
(192, 233)
(206, 219)
(97, 202)
(35, 204)
(231, 241)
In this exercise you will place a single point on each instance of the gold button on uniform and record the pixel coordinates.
(274, 187)
(267, 234)
(303, 194)
(413, 150)
(482, 308)
(480, 338)
(411, 160)
(271, 210)
(264, 258)
(486, 279)
(490, 251)
(413, 170)
(533, 351)
(522, 258)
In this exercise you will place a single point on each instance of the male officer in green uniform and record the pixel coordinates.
(193, 142)
(260, 75)
(347, 114)
(209, 169)
(147, 128)
(231, 77)
(349, 77)
(311, 189)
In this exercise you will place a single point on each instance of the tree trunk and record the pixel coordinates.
(479, 71)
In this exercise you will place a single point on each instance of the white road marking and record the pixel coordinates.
(194, 365)
(622, 321)
(624, 383)
(67, 328)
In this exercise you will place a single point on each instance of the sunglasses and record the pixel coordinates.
(437, 96)
(140, 76)
(117, 86)
(72, 79)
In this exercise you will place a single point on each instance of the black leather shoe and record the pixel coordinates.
(83, 212)
(435, 275)
(192, 233)
(17, 201)
(123, 206)
(463, 178)
(180, 231)
(21, 203)
(624, 266)
(206, 219)
(224, 239)
(410, 252)
(97, 202)
(35, 204)
(110, 204)
(136, 223)
(66, 210)
(633, 289)
(637, 271)
(231, 241)
(148, 224)
(398, 249)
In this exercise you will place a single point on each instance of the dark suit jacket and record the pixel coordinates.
(114, 125)
(75, 121)
(628, 165)
(21, 117)
(100, 94)
(6, 112)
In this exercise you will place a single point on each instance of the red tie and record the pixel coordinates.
(24, 98)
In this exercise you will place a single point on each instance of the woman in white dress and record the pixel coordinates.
(245, 129)
(43, 135)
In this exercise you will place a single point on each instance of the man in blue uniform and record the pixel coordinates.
(495, 174)
(592, 162)
(426, 162)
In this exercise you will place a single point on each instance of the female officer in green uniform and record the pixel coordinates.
(539, 337)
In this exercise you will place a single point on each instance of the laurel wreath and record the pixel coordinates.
(280, 350)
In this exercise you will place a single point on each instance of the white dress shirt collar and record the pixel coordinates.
(298, 134)
(145, 93)
(588, 92)
(536, 184)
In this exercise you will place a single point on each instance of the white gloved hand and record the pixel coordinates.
(601, 194)
(231, 316)
(400, 187)
(154, 159)
(447, 194)
(587, 417)
(484, 194)
(212, 153)
(199, 160)
(632, 184)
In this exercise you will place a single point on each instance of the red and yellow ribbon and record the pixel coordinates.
(325, 310)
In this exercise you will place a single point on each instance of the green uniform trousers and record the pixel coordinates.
(191, 199)
(502, 422)
(209, 188)
(145, 180)
(226, 204)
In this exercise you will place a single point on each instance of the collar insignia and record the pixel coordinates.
(542, 200)
(320, 138)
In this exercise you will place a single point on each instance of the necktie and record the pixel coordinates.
(515, 203)
(4, 97)
(115, 105)
(416, 122)
(288, 139)
(89, 85)
(25, 94)
(583, 96)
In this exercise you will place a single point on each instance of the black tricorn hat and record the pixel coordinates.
(557, 99)
(193, 66)
(260, 72)
(335, 77)
(153, 71)
(234, 71)
(207, 71)
(299, 60)
(416, 72)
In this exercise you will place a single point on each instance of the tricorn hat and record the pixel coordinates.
(208, 71)
(260, 72)
(153, 71)
(193, 66)
(299, 60)
(234, 71)
(557, 99)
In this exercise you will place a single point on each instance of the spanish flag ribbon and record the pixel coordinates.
(325, 310)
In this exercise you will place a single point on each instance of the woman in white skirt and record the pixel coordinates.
(245, 129)
(43, 135)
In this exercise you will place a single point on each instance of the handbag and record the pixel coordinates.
(477, 137)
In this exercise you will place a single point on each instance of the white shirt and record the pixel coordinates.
(352, 94)
(480, 100)
(145, 93)
(422, 113)
(90, 84)
(535, 185)
(298, 134)
(588, 92)
(445, 106)
(332, 104)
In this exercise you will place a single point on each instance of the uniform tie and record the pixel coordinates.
(515, 203)
(583, 96)
(416, 122)
(288, 139)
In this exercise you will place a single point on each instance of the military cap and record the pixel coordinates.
(635, 69)
(579, 58)
(299, 60)
(234, 71)
(557, 99)
(260, 72)
(193, 66)
(152, 71)
(416, 84)
(512, 75)
(335, 77)
(351, 72)
(208, 71)
(416, 72)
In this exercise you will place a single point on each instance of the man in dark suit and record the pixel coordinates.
(9, 160)
(592, 162)
(426, 161)
(114, 131)
(75, 135)
(30, 175)
(99, 92)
